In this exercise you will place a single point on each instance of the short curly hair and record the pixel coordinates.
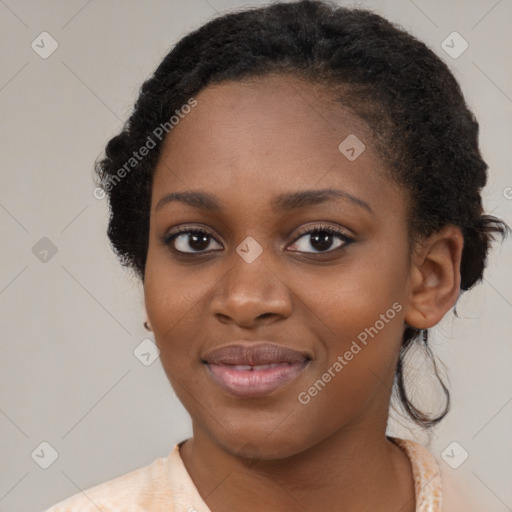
(413, 105)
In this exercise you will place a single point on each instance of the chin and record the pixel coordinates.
(264, 443)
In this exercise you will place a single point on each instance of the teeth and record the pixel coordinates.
(262, 367)
(246, 367)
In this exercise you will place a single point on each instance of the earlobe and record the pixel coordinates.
(434, 283)
(146, 323)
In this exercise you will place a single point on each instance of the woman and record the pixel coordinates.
(298, 188)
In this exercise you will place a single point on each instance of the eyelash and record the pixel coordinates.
(169, 238)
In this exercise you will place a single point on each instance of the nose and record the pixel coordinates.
(251, 294)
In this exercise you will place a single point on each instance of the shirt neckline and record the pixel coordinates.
(425, 472)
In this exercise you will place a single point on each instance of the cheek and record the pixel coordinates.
(175, 299)
(359, 318)
(356, 371)
(169, 299)
(354, 296)
(170, 291)
(172, 309)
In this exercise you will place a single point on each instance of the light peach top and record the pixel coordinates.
(165, 485)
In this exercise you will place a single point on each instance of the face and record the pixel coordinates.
(278, 313)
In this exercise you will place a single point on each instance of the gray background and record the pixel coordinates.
(70, 324)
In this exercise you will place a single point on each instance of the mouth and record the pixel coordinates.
(254, 370)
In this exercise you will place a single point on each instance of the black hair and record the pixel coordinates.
(411, 102)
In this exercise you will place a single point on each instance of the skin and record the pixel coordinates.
(245, 143)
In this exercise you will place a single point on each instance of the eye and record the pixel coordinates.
(196, 239)
(193, 240)
(321, 239)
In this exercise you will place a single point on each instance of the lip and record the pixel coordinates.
(254, 369)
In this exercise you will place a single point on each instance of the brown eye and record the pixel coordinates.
(321, 239)
(189, 241)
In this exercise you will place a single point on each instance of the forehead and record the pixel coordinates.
(266, 136)
(283, 111)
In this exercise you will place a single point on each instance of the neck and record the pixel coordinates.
(350, 470)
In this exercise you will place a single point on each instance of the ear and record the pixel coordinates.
(434, 281)
(147, 324)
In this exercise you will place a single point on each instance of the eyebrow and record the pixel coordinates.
(283, 202)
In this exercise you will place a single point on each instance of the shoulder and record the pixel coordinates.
(438, 486)
(142, 490)
(459, 494)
